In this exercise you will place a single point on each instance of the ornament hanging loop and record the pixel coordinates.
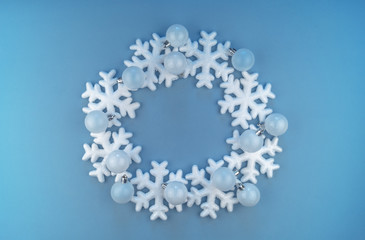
(111, 117)
(124, 178)
(166, 44)
(240, 186)
(231, 51)
(236, 171)
(261, 129)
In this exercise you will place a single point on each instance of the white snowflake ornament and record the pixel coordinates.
(105, 143)
(103, 96)
(249, 96)
(155, 190)
(207, 59)
(249, 172)
(149, 56)
(208, 190)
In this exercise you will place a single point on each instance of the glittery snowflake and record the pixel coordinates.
(106, 97)
(249, 172)
(207, 59)
(105, 143)
(155, 190)
(149, 56)
(245, 99)
(208, 190)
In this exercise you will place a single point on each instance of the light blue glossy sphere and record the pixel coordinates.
(175, 63)
(96, 121)
(175, 193)
(177, 35)
(122, 192)
(133, 78)
(243, 59)
(250, 142)
(249, 196)
(276, 124)
(224, 179)
(118, 161)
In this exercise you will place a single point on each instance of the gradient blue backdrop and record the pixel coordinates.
(311, 51)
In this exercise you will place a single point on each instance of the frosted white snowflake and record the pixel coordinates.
(149, 56)
(104, 96)
(155, 190)
(105, 143)
(208, 190)
(249, 172)
(206, 59)
(245, 99)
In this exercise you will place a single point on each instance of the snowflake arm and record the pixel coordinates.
(100, 171)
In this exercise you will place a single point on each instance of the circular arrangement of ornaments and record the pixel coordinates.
(162, 60)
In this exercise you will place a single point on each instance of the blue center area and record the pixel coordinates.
(180, 124)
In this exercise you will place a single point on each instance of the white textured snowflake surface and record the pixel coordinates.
(209, 191)
(149, 56)
(244, 98)
(155, 190)
(206, 59)
(102, 96)
(245, 93)
(249, 172)
(105, 143)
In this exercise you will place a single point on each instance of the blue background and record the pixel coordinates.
(311, 51)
